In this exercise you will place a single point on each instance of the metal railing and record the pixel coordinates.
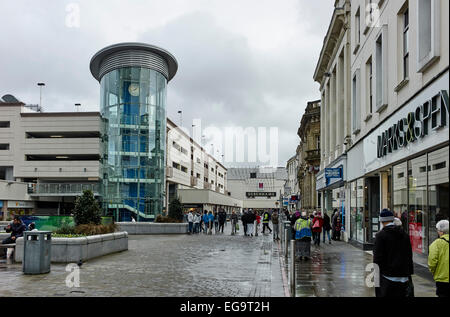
(61, 189)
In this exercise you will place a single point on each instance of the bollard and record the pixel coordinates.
(292, 264)
(286, 244)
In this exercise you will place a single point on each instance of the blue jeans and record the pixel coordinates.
(190, 226)
(328, 233)
(196, 225)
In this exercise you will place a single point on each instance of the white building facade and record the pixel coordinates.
(48, 159)
(258, 188)
(399, 132)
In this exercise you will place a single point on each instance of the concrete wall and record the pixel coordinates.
(71, 250)
(136, 228)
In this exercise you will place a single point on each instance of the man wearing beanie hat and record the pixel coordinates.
(393, 254)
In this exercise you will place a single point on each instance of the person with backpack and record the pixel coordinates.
(303, 236)
(266, 219)
(392, 253)
(438, 259)
(317, 225)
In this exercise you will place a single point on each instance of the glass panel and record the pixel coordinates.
(353, 210)
(360, 212)
(133, 148)
(401, 193)
(417, 219)
(438, 189)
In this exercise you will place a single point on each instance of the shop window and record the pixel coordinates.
(400, 194)
(438, 189)
(417, 211)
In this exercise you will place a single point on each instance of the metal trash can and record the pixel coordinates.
(37, 252)
(287, 225)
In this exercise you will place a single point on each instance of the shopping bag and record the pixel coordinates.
(237, 227)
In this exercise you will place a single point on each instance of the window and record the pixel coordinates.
(4, 147)
(5, 124)
(176, 165)
(356, 104)
(381, 69)
(318, 142)
(184, 169)
(357, 29)
(252, 175)
(369, 89)
(428, 33)
(406, 44)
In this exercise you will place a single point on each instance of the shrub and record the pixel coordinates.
(87, 209)
(65, 230)
(164, 219)
(176, 210)
(91, 230)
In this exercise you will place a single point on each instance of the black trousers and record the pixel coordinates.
(221, 225)
(266, 225)
(389, 288)
(442, 289)
(245, 228)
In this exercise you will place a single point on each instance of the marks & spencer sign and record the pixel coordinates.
(428, 116)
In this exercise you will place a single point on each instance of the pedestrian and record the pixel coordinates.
(326, 227)
(251, 223)
(293, 220)
(287, 214)
(210, 222)
(275, 224)
(337, 227)
(333, 224)
(317, 225)
(234, 222)
(438, 259)
(303, 236)
(190, 219)
(392, 253)
(197, 220)
(216, 222)
(205, 221)
(258, 222)
(266, 219)
(222, 219)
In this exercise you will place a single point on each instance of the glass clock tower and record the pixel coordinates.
(133, 79)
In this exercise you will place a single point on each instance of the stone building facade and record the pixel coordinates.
(309, 158)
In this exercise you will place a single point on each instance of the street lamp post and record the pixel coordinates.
(40, 93)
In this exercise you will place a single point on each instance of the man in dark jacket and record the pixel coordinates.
(17, 227)
(393, 254)
(222, 219)
(244, 220)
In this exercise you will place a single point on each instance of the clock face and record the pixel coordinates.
(133, 89)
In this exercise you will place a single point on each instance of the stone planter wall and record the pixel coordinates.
(71, 250)
(146, 228)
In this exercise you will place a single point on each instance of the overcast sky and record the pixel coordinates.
(242, 63)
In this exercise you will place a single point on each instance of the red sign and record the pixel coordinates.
(415, 235)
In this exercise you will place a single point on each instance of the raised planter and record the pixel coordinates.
(71, 250)
(150, 228)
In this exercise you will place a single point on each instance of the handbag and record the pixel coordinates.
(237, 227)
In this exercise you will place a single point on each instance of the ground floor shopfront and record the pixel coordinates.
(405, 170)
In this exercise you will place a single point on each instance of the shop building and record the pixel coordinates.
(309, 165)
(291, 190)
(400, 137)
(333, 74)
(260, 189)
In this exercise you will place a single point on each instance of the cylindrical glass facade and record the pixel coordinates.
(133, 111)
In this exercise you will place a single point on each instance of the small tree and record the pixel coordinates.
(87, 209)
(176, 210)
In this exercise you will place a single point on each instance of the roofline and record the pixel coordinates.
(97, 59)
(59, 114)
(336, 13)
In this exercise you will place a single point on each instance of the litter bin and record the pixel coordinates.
(37, 252)
(287, 225)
